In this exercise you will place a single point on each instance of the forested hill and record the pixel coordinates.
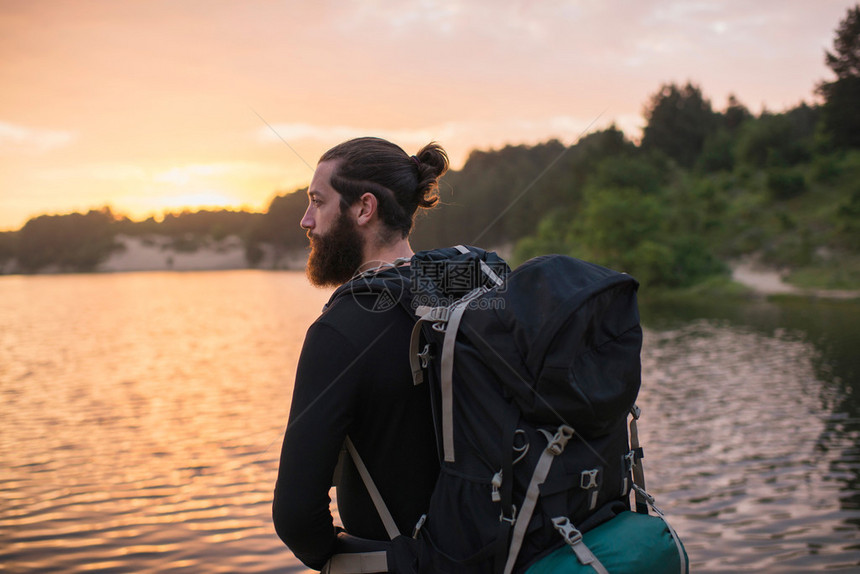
(760, 185)
(703, 187)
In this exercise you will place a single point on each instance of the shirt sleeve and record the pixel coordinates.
(324, 396)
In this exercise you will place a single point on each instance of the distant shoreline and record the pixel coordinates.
(154, 253)
(767, 281)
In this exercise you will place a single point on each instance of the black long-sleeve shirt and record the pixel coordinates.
(354, 379)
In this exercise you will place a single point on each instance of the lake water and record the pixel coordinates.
(141, 416)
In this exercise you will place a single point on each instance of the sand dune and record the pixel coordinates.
(155, 254)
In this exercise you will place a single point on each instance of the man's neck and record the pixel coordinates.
(387, 253)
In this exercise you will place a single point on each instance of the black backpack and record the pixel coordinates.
(533, 375)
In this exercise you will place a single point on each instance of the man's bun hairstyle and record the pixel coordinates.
(401, 183)
(432, 164)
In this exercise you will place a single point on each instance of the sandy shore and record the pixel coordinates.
(767, 281)
(154, 254)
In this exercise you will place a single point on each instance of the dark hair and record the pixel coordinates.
(401, 183)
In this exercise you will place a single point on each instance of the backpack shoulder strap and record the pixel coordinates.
(375, 496)
(371, 561)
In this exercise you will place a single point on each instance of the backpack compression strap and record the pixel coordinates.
(638, 468)
(554, 448)
(682, 554)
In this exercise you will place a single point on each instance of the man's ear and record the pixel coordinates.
(365, 209)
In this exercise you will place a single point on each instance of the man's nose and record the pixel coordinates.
(307, 221)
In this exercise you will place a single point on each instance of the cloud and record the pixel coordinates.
(96, 171)
(483, 133)
(302, 131)
(566, 127)
(176, 175)
(181, 175)
(200, 200)
(32, 140)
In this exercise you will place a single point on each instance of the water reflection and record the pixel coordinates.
(759, 429)
(141, 417)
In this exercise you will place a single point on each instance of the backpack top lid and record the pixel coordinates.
(565, 339)
(442, 276)
(437, 277)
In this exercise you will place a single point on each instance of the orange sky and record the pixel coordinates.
(147, 105)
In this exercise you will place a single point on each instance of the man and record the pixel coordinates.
(353, 377)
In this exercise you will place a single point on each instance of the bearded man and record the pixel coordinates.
(353, 378)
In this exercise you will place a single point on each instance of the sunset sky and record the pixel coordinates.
(154, 105)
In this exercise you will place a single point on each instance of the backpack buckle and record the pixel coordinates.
(496, 484)
(573, 538)
(648, 498)
(418, 526)
(629, 461)
(568, 531)
(438, 315)
(425, 356)
(559, 441)
(512, 519)
(588, 479)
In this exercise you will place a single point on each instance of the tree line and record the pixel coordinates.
(702, 187)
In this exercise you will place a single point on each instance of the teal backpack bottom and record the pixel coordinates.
(627, 544)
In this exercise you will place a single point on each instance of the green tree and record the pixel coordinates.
(615, 220)
(848, 220)
(554, 235)
(643, 172)
(718, 149)
(501, 196)
(73, 242)
(735, 114)
(679, 120)
(841, 112)
(845, 62)
(278, 227)
(776, 139)
(718, 152)
(8, 246)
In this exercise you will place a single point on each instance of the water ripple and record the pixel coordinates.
(141, 419)
(740, 422)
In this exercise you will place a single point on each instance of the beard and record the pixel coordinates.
(336, 256)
